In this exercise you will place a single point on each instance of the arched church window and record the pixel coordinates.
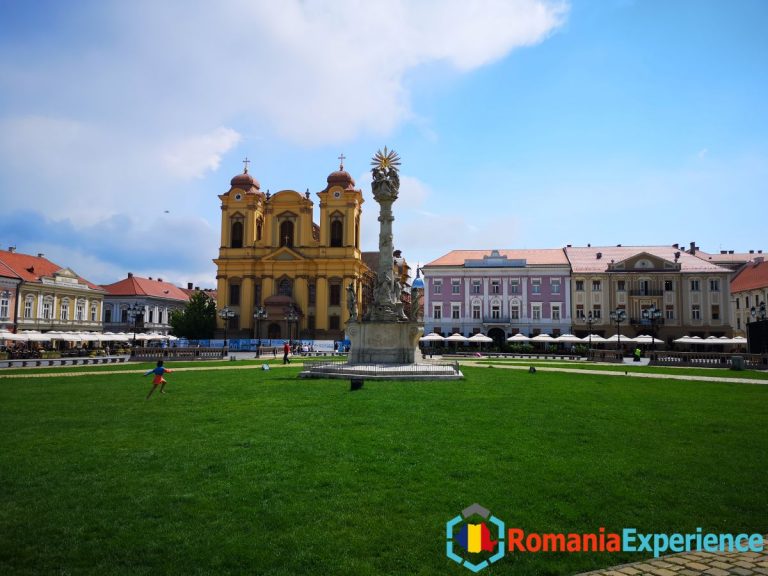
(237, 234)
(337, 232)
(286, 233)
(285, 287)
(258, 229)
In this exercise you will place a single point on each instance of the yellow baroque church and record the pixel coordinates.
(275, 260)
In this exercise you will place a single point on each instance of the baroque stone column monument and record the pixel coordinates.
(386, 335)
(384, 344)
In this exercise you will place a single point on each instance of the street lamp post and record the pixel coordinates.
(653, 315)
(590, 320)
(134, 311)
(226, 314)
(618, 316)
(291, 316)
(258, 315)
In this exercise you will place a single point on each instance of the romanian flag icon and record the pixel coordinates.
(476, 538)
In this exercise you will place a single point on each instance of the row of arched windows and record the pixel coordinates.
(287, 231)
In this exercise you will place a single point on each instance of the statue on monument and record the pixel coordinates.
(352, 302)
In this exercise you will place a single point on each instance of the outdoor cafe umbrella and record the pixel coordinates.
(5, 335)
(432, 337)
(568, 339)
(647, 339)
(593, 338)
(456, 337)
(480, 338)
(619, 337)
(34, 336)
(519, 337)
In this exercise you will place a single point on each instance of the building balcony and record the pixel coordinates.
(649, 292)
(499, 320)
(646, 322)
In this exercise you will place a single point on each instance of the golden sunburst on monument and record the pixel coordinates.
(386, 159)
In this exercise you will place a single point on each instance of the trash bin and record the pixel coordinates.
(737, 362)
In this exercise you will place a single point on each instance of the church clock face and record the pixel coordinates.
(238, 197)
(337, 194)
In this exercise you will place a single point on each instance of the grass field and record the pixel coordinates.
(246, 471)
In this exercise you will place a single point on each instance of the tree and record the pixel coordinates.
(197, 321)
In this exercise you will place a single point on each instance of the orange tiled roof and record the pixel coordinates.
(34, 268)
(136, 286)
(534, 256)
(752, 276)
(7, 272)
(584, 259)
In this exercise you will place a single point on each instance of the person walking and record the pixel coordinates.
(286, 351)
(158, 379)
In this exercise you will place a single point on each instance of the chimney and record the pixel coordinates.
(693, 248)
(730, 251)
(11, 249)
(759, 251)
(723, 251)
(675, 245)
(568, 246)
(40, 254)
(197, 287)
(751, 251)
(159, 279)
(589, 245)
(130, 274)
(677, 256)
(189, 285)
(599, 255)
(150, 278)
(618, 245)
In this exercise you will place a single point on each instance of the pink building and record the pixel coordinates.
(498, 292)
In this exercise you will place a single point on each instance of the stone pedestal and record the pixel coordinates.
(375, 342)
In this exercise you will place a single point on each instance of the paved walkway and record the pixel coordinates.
(693, 563)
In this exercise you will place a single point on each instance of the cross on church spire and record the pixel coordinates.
(245, 164)
(341, 161)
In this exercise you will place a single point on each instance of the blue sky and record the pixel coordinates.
(521, 124)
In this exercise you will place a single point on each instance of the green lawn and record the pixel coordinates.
(609, 367)
(256, 472)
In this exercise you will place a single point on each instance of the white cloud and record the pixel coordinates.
(121, 110)
(194, 156)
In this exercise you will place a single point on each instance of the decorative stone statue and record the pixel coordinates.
(352, 302)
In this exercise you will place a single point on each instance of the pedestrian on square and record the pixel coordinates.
(286, 351)
(158, 379)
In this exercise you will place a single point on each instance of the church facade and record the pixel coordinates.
(282, 275)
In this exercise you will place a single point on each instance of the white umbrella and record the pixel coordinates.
(479, 337)
(593, 338)
(647, 339)
(568, 338)
(5, 335)
(519, 337)
(622, 337)
(90, 336)
(34, 336)
(432, 337)
(542, 338)
(456, 338)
